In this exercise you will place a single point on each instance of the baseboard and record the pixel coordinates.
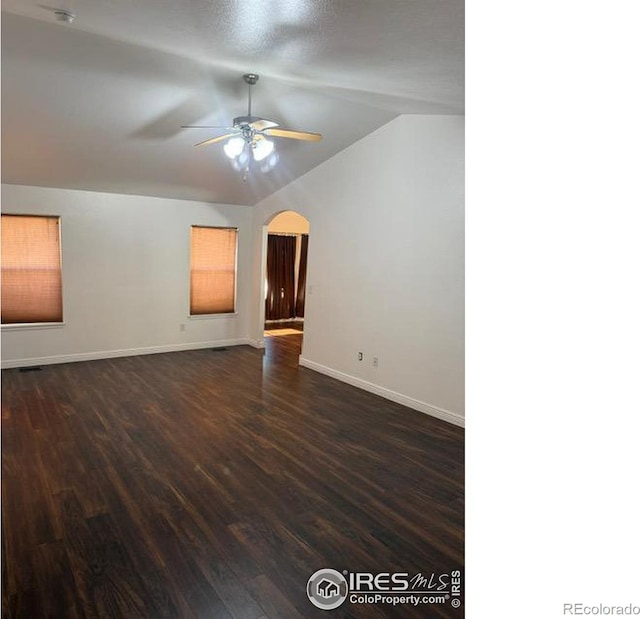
(394, 396)
(127, 352)
(256, 343)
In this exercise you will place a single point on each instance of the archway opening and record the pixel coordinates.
(285, 274)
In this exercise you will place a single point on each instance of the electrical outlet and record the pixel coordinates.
(375, 362)
(360, 356)
(182, 326)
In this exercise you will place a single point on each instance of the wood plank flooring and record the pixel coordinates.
(298, 325)
(213, 483)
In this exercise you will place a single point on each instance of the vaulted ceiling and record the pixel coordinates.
(98, 104)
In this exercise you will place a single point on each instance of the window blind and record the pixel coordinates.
(213, 270)
(31, 269)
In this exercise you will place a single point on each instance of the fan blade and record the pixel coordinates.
(262, 123)
(293, 134)
(218, 139)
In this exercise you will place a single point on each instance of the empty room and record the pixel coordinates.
(233, 309)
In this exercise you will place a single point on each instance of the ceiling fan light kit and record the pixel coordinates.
(262, 149)
(234, 147)
(248, 137)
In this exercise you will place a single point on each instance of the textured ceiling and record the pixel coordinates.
(98, 104)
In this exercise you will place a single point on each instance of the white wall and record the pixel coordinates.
(386, 262)
(125, 276)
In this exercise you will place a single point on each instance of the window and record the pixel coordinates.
(31, 269)
(213, 270)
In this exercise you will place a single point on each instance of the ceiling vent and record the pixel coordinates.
(64, 16)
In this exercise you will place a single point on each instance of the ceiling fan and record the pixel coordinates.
(249, 134)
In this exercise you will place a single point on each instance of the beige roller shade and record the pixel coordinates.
(31, 269)
(213, 270)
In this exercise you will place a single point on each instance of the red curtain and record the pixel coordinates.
(302, 276)
(281, 257)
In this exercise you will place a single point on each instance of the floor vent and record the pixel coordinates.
(33, 368)
(219, 349)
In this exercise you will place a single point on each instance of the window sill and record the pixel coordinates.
(31, 326)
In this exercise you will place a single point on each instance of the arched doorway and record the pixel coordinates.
(287, 238)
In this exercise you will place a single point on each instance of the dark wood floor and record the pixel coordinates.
(213, 484)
